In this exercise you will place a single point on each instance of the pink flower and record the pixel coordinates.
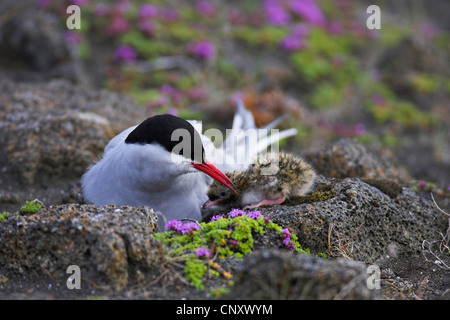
(180, 227)
(80, 3)
(43, 3)
(275, 13)
(293, 43)
(101, 9)
(170, 15)
(118, 26)
(378, 99)
(147, 11)
(201, 252)
(173, 111)
(174, 225)
(125, 53)
(73, 37)
(236, 213)
(254, 214)
(422, 185)
(216, 217)
(205, 9)
(202, 49)
(308, 10)
(335, 27)
(234, 243)
(196, 94)
(147, 27)
(189, 227)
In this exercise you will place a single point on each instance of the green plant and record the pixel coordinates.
(205, 246)
(31, 207)
(4, 216)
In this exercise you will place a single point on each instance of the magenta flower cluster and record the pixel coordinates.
(203, 50)
(287, 234)
(180, 227)
(125, 54)
(297, 38)
(201, 252)
(239, 213)
(278, 12)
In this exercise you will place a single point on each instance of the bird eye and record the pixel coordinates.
(223, 193)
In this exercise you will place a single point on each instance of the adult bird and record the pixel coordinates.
(161, 164)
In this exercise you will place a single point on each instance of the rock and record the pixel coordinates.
(24, 30)
(361, 222)
(110, 244)
(57, 130)
(349, 158)
(282, 275)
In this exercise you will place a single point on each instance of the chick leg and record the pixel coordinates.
(265, 203)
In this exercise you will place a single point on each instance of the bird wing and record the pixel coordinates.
(239, 149)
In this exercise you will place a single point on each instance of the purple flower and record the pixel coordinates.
(205, 8)
(147, 11)
(254, 214)
(216, 217)
(266, 220)
(118, 26)
(308, 10)
(125, 53)
(202, 252)
(335, 27)
(122, 6)
(80, 3)
(43, 3)
(448, 187)
(202, 49)
(147, 27)
(359, 129)
(292, 43)
(73, 37)
(378, 99)
(170, 15)
(287, 233)
(183, 228)
(422, 185)
(173, 111)
(196, 94)
(236, 213)
(275, 13)
(167, 89)
(174, 225)
(101, 9)
(189, 227)
(300, 30)
(234, 243)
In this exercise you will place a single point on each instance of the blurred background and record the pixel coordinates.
(314, 61)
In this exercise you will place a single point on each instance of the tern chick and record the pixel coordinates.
(270, 179)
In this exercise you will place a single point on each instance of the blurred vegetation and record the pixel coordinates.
(315, 61)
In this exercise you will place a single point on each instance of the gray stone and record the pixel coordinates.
(110, 244)
(283, 275)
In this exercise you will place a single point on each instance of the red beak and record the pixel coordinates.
(215, 173)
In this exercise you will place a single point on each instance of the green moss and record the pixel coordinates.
(31, 207)
(322, 194)
(194, 271)
(4, 216)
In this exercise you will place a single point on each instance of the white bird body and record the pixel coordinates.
(147, 174)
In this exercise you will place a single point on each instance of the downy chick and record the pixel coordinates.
(270, 179)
